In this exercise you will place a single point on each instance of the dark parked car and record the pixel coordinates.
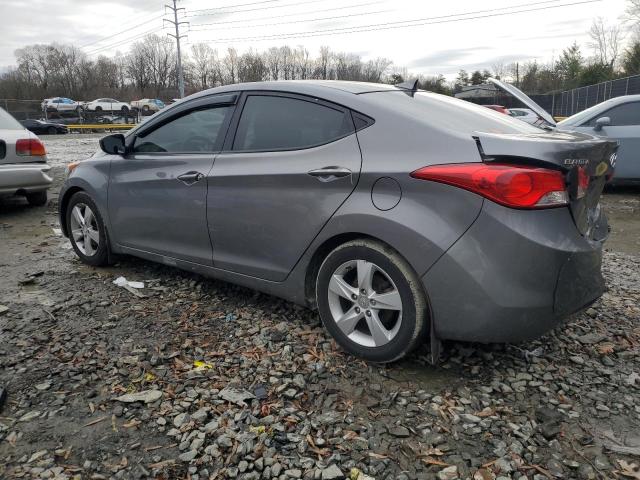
(43, 127)
(396, 213)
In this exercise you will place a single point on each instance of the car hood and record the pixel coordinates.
(524, 98)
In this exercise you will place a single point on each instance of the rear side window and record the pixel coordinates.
(271, 123)
(194, 132)
(621, 115)
(7, 122)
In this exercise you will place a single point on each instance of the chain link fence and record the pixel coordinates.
(573, 101)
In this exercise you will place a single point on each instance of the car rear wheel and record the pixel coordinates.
(37, 199)
(86, 230)
(371, 301)
(145, 108)
(52, 130)
(98, 109)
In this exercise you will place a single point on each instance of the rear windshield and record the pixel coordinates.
(451, 113)
(7, 122)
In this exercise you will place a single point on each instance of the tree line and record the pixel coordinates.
(615, 53)
(149, 69)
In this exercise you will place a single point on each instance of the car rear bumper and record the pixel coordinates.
(24, 178)
(513, 275)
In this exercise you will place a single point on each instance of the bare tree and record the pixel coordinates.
(606, 41)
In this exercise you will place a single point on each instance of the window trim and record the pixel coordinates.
(233, 129)
(604, 114)
(202, 103)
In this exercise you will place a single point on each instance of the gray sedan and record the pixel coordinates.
(23, 162)
(398, 214)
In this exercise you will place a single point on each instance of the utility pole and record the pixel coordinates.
(177, 36)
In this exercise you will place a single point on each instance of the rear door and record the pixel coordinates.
(625, 128)
(158, 192)
(292, 162)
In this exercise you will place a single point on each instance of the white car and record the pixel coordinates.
(61, 104)
(148, 104)
(23, 162)
(526, 115)
(107, 105)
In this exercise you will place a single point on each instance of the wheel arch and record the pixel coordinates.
(321, 252)
(62, 209)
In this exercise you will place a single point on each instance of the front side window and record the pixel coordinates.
(194, 132)
(621, 115)
(271, 123)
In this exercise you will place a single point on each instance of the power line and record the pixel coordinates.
(253, 9)
(394, 25)
(323, 10)
(123, 41)
(236, 5)
(123, 31)
(298, 21)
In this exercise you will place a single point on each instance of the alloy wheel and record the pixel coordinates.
(84, 229)
(365, 303)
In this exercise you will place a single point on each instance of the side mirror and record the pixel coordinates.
(113, 144)
(602, 122)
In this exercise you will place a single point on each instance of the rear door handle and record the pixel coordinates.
(329, 174)
(190, 178)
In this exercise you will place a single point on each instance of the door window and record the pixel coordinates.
(621, 115)
(194, 132)
(272, 123)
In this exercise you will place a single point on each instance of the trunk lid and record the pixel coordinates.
(524, 98)
(587, 161)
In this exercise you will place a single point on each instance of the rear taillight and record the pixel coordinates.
(30, 146)
(509, 185)
(583, 182)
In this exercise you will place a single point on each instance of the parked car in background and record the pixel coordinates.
(148, 104)
(23, 162)
(478, 230)
(498, 108)
(525, 114)
(616, 119)
(42, 127)
(107, 105)
(61, 104)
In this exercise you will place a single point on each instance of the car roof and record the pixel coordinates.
(302, 86)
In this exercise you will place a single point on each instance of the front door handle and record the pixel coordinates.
(329, 174)
(190, 178)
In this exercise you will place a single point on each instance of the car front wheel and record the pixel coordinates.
(371, 301)
(86, 230)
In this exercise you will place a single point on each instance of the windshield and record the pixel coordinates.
(585, 115)
(7, 122)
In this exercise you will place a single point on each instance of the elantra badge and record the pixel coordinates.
(575, 161)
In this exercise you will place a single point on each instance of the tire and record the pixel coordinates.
(37, 199)
(124, 109)
(145, 108)
(92, 253)
(98, 109)
(52, 130)
(404, 323)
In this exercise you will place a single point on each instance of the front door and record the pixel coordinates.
(158, 192)
(624, 127)
(294, 160)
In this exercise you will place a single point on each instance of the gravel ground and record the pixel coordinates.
(201, 379)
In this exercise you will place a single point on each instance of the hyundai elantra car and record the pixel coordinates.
(398, 214)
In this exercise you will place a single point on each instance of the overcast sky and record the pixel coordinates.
(444, 37)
